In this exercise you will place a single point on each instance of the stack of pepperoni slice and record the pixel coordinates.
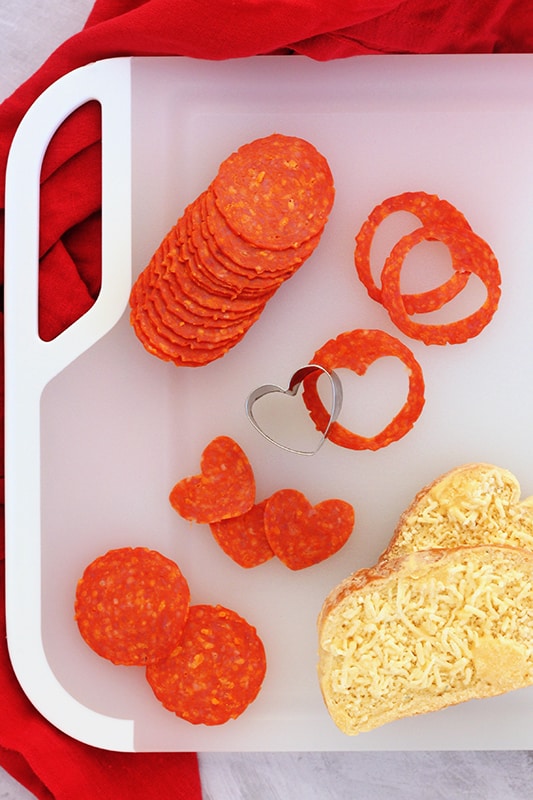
(258, 221)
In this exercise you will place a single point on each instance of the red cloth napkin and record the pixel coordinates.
(49, 763)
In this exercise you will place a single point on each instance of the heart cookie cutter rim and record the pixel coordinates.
(295, 382)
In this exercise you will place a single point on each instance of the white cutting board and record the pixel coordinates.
(98, 431)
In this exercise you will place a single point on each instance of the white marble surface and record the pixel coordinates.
(368, 776)
(29, 31)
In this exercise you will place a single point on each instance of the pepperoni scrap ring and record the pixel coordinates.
(356, 350)
(431, 211)
(466, 249)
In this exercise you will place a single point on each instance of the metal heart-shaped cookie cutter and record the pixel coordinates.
(292, 389)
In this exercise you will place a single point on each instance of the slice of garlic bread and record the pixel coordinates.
(470, 505)
(427, 630)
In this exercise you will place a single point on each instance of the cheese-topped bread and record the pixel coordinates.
(427, 630)
(472, 504)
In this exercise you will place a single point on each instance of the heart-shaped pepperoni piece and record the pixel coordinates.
(301, 534)
(243, 538)
(225, 487)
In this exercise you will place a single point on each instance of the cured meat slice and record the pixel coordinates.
(301, 534)
(243, 538)
(244, 257)
(131, 605)
(275, 192)
(215, 672)
(224, 488)
(167, 343)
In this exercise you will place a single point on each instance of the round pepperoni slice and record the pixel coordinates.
(131, 605)
(430, 210)
(199, 295)
(469, 250)
(199, 336)
(158, 344)
(184, 292)
(356, 350)
(165, 284)
(147, 332)
(245, 258)
(215, 672)
(275, 192)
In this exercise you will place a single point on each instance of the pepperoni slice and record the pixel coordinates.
(165, 269)
(223, 272)
(165, 285)
(167, 344)
(131, 605)
(146, 337)
(215, 672)
(275, 192)
(356, 350)
(244, 257)
(201, 303)
(225, 487)
(431, 211)
(469, 250)
(199, 335)
(243, 538)
(188, 282)
(301, 534)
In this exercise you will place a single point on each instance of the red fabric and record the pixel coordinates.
(49, 763)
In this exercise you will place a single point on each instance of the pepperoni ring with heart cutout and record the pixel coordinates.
(356, 350)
